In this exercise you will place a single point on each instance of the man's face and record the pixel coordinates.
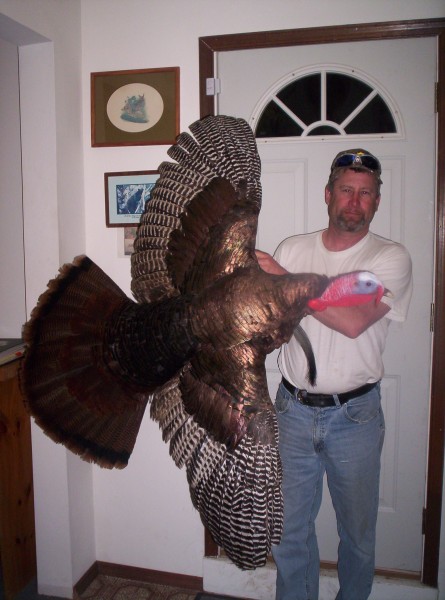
(353, 201)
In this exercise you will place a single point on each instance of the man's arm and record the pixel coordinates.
(350, 321)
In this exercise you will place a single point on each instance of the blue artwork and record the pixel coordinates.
(134, 109)
(131, 198)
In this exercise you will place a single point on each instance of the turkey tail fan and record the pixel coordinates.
(66, 376)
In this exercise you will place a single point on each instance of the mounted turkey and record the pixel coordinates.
(194, 343)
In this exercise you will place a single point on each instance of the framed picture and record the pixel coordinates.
(129, 238)
(135, 108)
(126, 195)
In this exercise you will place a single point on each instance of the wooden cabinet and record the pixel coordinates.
(17, 536)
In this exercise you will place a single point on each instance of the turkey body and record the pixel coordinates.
(193, 344)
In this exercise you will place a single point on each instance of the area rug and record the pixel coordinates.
(105, 587)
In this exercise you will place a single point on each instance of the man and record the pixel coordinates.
(337, 426)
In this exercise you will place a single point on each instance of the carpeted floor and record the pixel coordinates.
(105, 587)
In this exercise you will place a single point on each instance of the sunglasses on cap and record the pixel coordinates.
(357, 159)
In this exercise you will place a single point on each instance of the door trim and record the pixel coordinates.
(208, 48)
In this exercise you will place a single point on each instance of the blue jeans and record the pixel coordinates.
(345, 442)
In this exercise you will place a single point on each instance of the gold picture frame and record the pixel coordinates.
(135, 108)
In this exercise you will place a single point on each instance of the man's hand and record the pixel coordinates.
(269, 264)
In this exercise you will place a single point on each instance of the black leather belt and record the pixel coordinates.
(324, 400)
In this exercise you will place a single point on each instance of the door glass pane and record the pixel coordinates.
(374, 118)
(341, 95)
(303, 97)
(276, 123)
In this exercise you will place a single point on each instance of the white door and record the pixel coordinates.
(294, 175)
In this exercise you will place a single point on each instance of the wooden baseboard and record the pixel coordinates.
(188, 582)
(86, 579)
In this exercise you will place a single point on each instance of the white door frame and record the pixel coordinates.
(208, 49)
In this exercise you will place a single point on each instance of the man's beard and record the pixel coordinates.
(351, 225)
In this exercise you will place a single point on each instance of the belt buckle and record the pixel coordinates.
(302, 396)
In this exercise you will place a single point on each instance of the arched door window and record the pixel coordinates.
(325, 102)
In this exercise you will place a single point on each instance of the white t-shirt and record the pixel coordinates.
(342, 363)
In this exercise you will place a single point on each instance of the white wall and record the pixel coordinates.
(48, 38)
(142, 515)
(59, 22)
(12, 295)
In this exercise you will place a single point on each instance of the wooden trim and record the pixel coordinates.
(206, 69)
(355, 32)
(211, 548)
(208, 47)
(87, 579)
(187, 582)
(434, 498)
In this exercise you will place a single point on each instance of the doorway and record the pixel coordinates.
(209, 49)
(333, 87)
